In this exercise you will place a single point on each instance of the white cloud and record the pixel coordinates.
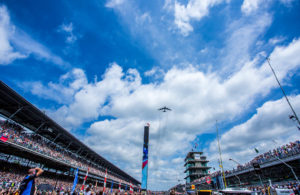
(276, 40)
(68, 29)
(7, 52)
(197, 99)
(156, 33)
(155, 72)
(61, 92)
(29, 46)
(144, 17)
(243, 34)
(250, 6)
(114, 3)
(194, 10)
(16, 44)
(270, 122)
(89, 98)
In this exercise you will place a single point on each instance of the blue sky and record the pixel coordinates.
(102, 68)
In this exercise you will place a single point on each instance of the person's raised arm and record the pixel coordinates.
(39, 171)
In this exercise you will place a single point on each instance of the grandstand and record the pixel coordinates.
(31, 138)
(271, 169)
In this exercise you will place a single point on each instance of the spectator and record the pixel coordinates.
(27, 186)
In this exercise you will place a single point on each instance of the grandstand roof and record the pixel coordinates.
(18, 109)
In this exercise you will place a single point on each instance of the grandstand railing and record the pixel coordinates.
(271, 162)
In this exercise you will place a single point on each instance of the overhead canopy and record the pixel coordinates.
(18, 109)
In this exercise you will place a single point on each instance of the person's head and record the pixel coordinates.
(31, 171)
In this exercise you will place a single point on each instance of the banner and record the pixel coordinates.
(145, 158)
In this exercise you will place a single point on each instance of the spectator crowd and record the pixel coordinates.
(270, 189)
(287, 150)
(14, 133)
(10, 182)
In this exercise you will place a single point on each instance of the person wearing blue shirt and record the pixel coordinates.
(27, 186)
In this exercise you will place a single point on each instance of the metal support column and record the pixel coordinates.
(11, 116)
(39, 127)
(68, 145)
(55, 139)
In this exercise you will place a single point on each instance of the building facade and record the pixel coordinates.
(195, 166)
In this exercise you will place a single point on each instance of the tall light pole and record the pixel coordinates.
(236, 174)
(221, 162)
(235, 161)
(294, 116)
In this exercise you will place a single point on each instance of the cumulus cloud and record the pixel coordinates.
(197, 99)
(61, 92)
(17, 44)
(250, 6)
(68, 29)
(89, 99)
(271, 122)
(193, 10)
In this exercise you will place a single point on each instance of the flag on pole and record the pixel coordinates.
(111, 187)
(87, 173)
(104, 185)
(75, 180)
(119, 186)
(130, 189)
(196, 145)
(256, 150)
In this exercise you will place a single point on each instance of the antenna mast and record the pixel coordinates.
(221, 162)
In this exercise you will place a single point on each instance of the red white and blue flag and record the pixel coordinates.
(104, 186)
(87, 173)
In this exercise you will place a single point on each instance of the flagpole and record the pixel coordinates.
(75, 180)
(111, 186)
(104, 185)
(96, 185)
(220, 153)
(87, 173)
